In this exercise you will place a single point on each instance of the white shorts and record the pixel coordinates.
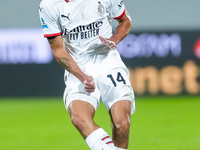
(111, 87)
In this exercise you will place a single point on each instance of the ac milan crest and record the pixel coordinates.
(101, 9)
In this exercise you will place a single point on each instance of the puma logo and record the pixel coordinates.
(66, 16)
(40, 8)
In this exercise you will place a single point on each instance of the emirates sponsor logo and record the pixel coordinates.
(84, 31)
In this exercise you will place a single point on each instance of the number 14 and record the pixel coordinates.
(119, 79)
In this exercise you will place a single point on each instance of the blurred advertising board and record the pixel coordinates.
(24, 46)
(159, 63)
(163, 62)
(27, 65)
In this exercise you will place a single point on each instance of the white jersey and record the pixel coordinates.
(80, 22)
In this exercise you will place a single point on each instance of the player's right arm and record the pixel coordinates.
(68, 63)
(63, 58)
(52, 30)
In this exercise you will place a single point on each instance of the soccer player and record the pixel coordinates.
(80, 35)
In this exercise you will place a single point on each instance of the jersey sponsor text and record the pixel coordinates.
(84, 31)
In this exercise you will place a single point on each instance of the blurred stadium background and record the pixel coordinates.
(162, 53)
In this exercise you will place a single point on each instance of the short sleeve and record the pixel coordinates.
(49, 21)
(117, 9)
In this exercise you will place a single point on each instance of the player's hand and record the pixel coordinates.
(108, 42)
(89, 84)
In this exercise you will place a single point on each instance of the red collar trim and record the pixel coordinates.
(67, 0)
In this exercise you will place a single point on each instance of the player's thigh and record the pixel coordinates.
(75, 91)
(81, 110)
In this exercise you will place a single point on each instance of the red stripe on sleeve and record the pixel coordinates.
(51, 35)
(121, 15)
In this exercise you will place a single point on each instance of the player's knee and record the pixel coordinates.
(122, 126)
(79, 121)
(76, 120)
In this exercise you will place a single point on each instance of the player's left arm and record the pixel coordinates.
(122, 30)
